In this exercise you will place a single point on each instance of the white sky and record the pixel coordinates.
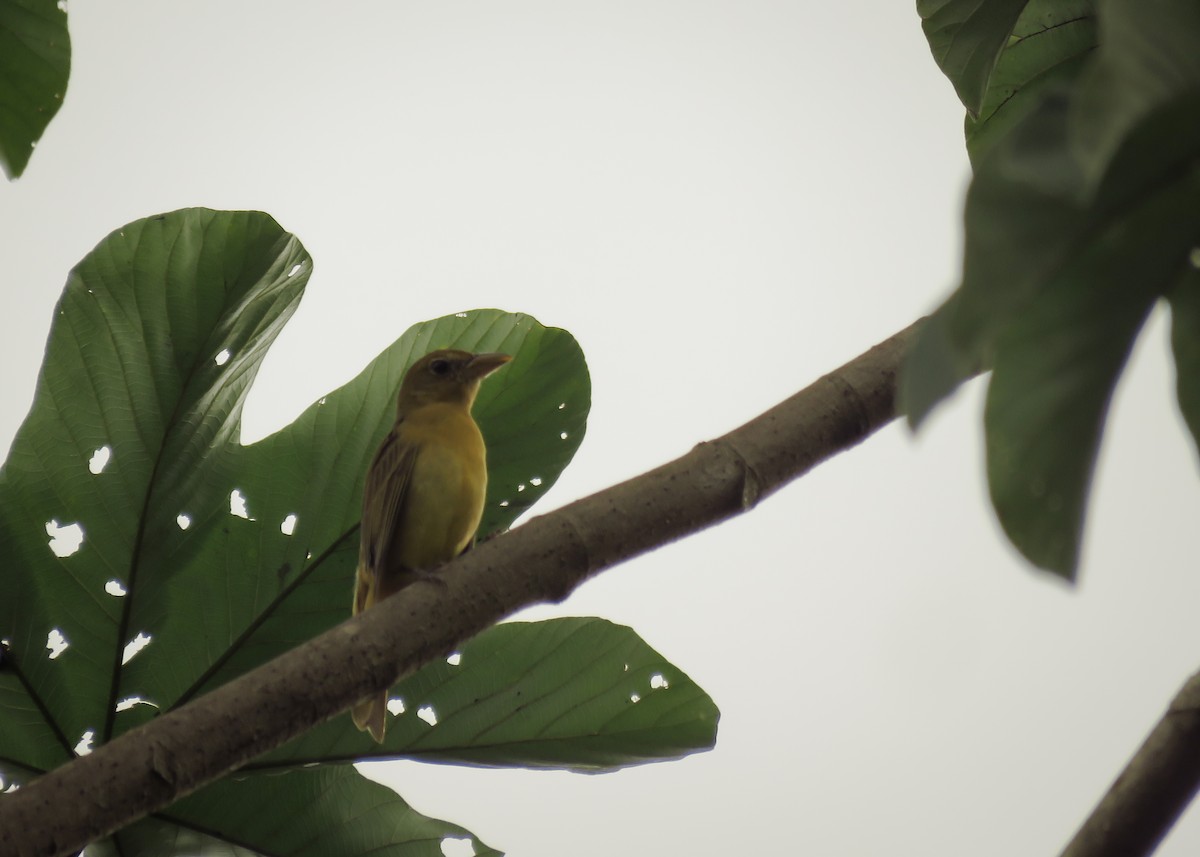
(722, 201)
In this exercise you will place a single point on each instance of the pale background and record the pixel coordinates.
(722, 201)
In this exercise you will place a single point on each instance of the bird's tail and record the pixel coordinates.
(369, 715)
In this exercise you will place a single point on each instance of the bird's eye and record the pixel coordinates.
(439, 367)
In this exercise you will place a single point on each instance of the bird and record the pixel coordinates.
(425, 488)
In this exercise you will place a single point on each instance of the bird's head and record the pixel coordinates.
(446, 375)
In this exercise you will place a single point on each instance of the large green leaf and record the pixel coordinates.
(35, 61)
(578, 693)
(130, 372)
(224, 555)
(966, 37)
(326, 810)
(1061, 267)
(1051, 44)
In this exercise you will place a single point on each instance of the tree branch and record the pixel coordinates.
(149, 767)
(1148, 797)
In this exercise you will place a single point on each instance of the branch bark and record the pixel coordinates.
(1158, 783)
(544, 560)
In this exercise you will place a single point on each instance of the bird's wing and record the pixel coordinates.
(383, 504)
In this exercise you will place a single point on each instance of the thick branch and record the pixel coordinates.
(544, 560)
(1154, 789)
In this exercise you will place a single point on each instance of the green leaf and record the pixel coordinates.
(129, 369)
(934, 366)
(225, 555)
(1185, 342)
(1054, 376)
(579, 693)
(1057, 282)
(1148, 67)
(307, 812)
(1022, 221)
(1052, 42)
(35, 61)
(966, 37)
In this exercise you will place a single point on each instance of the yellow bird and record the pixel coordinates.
(425, 489)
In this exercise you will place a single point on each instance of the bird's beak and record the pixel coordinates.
(482, 365)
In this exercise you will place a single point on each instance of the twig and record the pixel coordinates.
(1148, 797)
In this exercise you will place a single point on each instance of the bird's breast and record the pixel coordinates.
(449, 484)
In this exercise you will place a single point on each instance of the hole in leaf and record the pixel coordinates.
(460, 315)
(562, 435)
(99, 460)
(85, 743)
(456, 846)
(64, 540)
(115, 588)
(134, 646)
(222, 357)
(183, 521)
(296, 269)
(426, 713)
(562, 405)
(130, 701)
(455, 659)
(535, 481)
(659, 682)
(237, 504)
(56, 643)
(288, 526)
(395, 705)
(503, 504)
(520, 487)
(321, 400)
(635, 698)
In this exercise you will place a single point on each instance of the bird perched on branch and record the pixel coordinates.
(425, 488)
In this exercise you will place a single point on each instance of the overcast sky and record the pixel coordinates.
(722, 201)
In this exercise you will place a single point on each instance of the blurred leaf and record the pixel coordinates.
(1148, 65)
(1022, 222)
(966, 37)
(1055, 371)
(578, 693)
(35, 62)
(1185, 342)
(1051, 44)
(1057, 282)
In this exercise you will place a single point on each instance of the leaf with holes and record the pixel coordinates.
(149, 556)
(578, 693)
